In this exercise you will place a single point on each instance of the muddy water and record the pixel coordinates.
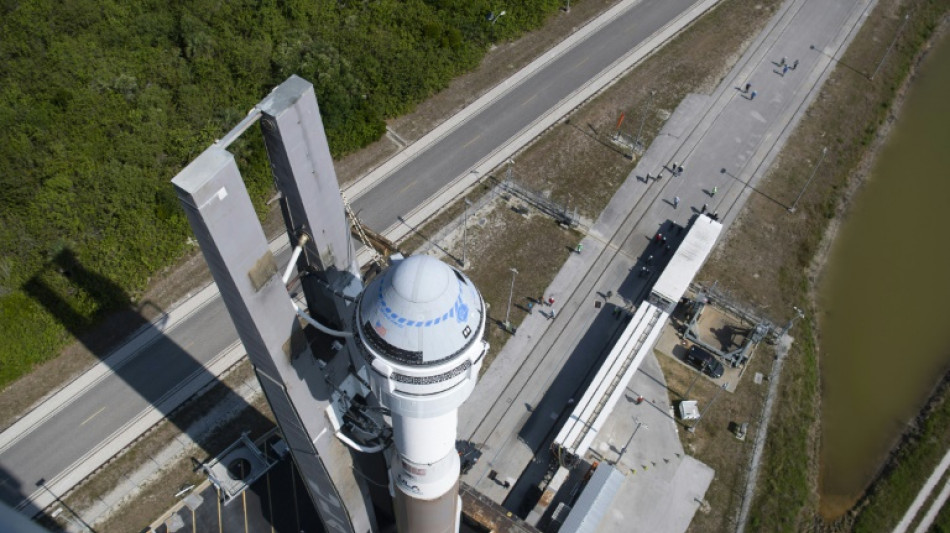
(886, 296)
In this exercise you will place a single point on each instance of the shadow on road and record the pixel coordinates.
(11, 487)
(162, 357)
(569, 385)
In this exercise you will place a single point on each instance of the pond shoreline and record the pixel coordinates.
(840, 517)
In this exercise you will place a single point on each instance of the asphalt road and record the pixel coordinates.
(70, 433)
(456, 153)
(80, 426)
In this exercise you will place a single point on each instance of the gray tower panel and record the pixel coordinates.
(224, 222)
(303, 170)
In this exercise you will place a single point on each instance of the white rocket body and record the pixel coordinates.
(421, 325)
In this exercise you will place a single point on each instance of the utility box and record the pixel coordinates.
(689, 410)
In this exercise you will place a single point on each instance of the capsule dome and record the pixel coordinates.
(420, 311)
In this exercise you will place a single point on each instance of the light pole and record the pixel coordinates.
(698, 373)
(634, 434)
(494, 18)
(888, 51)
(514, 272)
(465, 231)
(798, 314)
(807, 183)
(644, 119)
(692, 429)
(42, 483)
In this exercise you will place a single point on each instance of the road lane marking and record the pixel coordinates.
(533, 96)
(93, 415)
(475, 138)
(410, 184)
(579, 63)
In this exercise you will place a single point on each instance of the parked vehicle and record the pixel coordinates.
(704, 361)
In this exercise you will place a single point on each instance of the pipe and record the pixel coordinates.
(293, 258)
(252, 116)
(303, 314)
(359, 447)
(290, 265)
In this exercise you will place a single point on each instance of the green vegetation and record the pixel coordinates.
(103, 102)
(784, 473)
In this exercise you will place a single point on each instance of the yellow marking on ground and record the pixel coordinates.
(475, 138)
(220, 523)
(533, 96)
(93, 415)
(579, 63)
(194, 526)
(404, 189)
(244, 503)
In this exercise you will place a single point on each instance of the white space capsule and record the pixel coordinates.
(421, 325)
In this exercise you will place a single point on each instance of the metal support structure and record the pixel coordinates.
(298, 374)
(798, 314)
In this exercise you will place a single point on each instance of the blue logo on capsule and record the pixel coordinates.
(461, 311)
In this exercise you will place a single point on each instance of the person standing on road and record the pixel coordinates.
(676, 202)
(714, 191)
(747, 87)
(752, 95)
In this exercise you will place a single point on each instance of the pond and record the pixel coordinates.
(886, 295)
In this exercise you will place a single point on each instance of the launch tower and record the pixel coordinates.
(361, 382)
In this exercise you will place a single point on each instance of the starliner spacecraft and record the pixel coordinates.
(364, 382)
